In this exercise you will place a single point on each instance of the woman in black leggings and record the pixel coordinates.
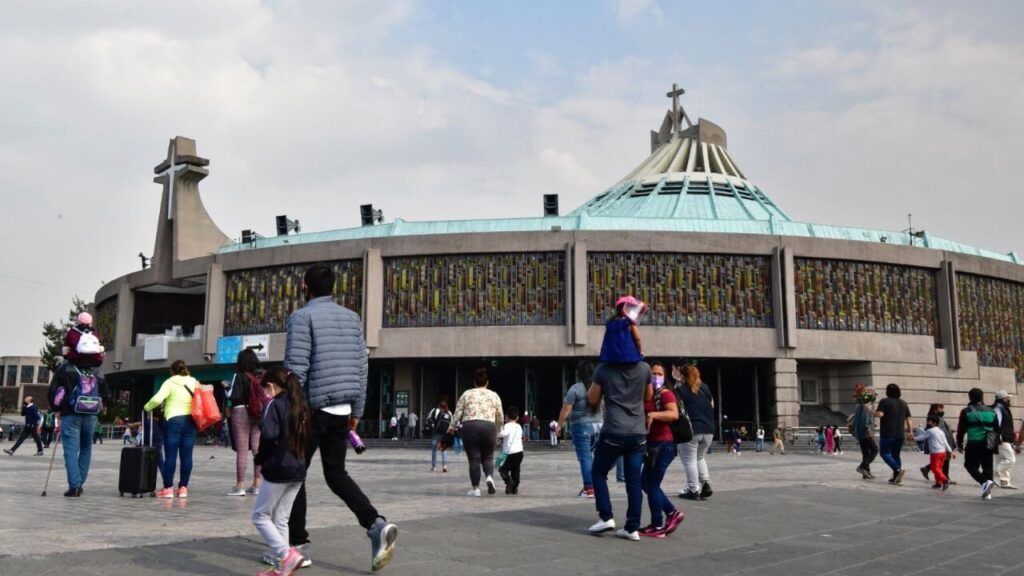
(478, 415)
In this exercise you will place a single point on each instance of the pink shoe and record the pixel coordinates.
(182, 491)
(287, 566)
(165, 493)
(673, 521)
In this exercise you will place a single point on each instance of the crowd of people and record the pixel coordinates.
(623, 413)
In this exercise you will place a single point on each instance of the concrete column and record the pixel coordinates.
(216, 298)
(778, 297)
(577, 305)
(789, 290)
(373, 296)
(125, 319)
(787, 392)
(949, 325)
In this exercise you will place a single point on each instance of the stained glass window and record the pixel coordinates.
(992, 321)
(517, 289)
(865, 297)
(260, 300)
(682, 289)
(106, 322)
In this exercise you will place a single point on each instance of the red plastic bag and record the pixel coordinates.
(205, 412)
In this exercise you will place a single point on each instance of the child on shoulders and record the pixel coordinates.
(622, 341)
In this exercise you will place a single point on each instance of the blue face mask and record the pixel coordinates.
(658, 381)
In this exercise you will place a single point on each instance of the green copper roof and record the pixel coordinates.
(583, 221)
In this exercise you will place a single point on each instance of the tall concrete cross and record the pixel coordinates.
(677, 114)
(172, 174)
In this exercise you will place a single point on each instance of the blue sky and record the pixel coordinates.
(844, 113)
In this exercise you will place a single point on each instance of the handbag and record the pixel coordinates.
(499, 460)
(205, 412)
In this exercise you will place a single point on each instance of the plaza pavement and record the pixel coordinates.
(770, 515)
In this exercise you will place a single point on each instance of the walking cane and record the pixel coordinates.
(52, 456)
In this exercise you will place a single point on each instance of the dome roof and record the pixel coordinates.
(689, 175)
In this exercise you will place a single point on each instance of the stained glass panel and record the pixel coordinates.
(260, 300)
(683, 289)
(106, 322)
(517, 289)
(992, 321)
(866, 297)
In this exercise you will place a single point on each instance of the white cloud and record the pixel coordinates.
(630, 12)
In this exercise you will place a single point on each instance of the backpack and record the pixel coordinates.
(88, 343)
(258, 399)
(440, 421)
(85, 397)
(682, 428)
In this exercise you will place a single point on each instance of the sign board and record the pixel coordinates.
(401, 399)
(228, 347)
(259, 343)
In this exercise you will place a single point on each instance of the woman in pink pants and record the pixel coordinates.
(245, 429)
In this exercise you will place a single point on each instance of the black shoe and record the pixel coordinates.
(924, 471)
(705, 490)
(40, 453)
(508, 488)
(9, 452)
(690, 496)
(73, 493)
(515, 488)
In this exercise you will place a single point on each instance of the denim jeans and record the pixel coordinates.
(651, 477)
(433, 452)
(583, 438)
(76, 431)
(890, 448)
(179, 438)
(609, 447)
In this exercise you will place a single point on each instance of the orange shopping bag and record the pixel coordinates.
(205, 412)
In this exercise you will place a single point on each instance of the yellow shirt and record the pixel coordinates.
(174, 395)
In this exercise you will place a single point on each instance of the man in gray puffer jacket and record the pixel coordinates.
(326, 350)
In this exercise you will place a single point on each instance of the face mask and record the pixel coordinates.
(658, 381)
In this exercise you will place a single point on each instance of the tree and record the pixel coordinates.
(53, 334)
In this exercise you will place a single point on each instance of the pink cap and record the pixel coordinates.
(85, 318)
(626, 300)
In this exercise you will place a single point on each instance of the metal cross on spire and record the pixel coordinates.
(678, 114)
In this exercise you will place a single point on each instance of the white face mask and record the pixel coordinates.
(658, 381)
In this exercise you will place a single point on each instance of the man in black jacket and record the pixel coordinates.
(31, 414)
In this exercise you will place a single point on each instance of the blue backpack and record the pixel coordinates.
(85, 398)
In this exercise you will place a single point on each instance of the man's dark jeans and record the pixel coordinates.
(890, 449)
(868, 451)
(329, 434)
(632, 448)
(977, 455)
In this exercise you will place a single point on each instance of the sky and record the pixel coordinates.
(852, 114)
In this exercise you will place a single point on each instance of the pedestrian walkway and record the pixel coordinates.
(770, 515)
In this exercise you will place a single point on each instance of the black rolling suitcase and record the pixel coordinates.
(138, 468)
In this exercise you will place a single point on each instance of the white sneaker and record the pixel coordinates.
(235, 492)
(473, 492)
(252, 491)
(602, 526)
(1008, 486)
(986, 489)
(490, 485)
(987, 497)
(634, 535)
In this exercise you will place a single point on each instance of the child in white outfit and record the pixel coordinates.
(511, 444)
